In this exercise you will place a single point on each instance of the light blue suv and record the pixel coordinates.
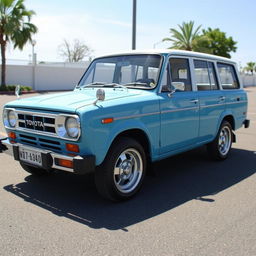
(128, 111)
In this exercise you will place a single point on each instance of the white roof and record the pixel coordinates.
(172, 52)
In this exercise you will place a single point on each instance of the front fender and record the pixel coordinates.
(119, 127)
(109, 132)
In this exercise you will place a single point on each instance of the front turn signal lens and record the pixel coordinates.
(65, 163)
(72, 147)
(12, 135)
(107, 120)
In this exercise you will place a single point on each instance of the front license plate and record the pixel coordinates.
(30, 156)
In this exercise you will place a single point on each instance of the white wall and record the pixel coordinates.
(51, 78)
(46, 78)
(248, 80)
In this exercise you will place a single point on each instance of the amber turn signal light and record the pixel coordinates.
(65, 163)
(12, 135)
(72, 147)
(107, 120)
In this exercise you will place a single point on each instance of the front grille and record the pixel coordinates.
(37, 122)
(42, 143)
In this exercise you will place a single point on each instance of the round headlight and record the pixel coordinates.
(12, 118)
(72, 127)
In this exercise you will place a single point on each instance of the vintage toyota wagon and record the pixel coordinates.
(127, 111)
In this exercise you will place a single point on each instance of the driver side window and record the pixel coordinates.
(180, 73)
(177, 74)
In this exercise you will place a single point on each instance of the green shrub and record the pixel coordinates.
(11, 88)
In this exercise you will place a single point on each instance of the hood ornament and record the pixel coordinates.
(100, 95)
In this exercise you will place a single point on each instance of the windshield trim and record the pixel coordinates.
(127, 55)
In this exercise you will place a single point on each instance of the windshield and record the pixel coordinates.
(135, 71)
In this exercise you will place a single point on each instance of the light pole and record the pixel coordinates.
(134, 24)
(33, 52)
(33, 64)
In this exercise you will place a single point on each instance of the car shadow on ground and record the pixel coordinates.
(189, 176)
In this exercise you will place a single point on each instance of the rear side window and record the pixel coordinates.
(205, 75)
(228, 77)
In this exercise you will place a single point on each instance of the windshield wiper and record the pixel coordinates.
(95, 84)
(101, 84)
(137, 84)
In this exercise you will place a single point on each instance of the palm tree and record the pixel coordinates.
(251, 67)
(15, 27)
(186, 38)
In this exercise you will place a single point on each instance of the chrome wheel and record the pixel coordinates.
(225, 139)
(128, 170)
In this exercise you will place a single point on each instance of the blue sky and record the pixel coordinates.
(105, 25)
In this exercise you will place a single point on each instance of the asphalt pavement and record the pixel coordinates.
(192, 206)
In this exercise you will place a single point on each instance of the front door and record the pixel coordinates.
(179, 109)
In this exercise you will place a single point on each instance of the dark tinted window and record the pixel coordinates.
(228, 77)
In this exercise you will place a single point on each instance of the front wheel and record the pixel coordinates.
(121, 174)
(220, 147)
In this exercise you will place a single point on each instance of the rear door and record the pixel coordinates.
(236, 99)
(212, 99)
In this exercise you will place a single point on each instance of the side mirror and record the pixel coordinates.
(176, 86)
(17, 91)
(100, 95)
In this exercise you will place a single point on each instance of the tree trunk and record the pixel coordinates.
(3, 67)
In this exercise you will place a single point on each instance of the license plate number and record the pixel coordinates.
(30, 156)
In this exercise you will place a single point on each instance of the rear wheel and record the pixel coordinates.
(34, 170)
(121, 174)
(220, 147)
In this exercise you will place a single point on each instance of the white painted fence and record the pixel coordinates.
(63, 77)
(45, 77)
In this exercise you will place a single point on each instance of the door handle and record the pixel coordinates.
(194, 101)
(222, 98)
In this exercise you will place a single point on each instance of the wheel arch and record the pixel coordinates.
(138, 135)
(229, 118)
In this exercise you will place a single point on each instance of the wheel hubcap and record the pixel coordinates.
(128, 170)
(224, 140)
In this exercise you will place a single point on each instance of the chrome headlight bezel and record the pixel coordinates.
(62, 130)
(9, 122)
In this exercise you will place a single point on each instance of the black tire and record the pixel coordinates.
(34, 170)
(220, 147)
(121, 174)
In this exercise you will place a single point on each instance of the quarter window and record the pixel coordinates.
(228, 76)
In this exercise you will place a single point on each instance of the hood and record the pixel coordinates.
(71, 101)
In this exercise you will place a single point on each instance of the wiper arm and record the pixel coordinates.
(95, 84)
(137, 84)
(116, 85)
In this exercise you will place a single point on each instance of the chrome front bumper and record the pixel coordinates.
(81, 164)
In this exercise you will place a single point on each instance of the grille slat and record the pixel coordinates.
(42, 143)
(37, 123)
